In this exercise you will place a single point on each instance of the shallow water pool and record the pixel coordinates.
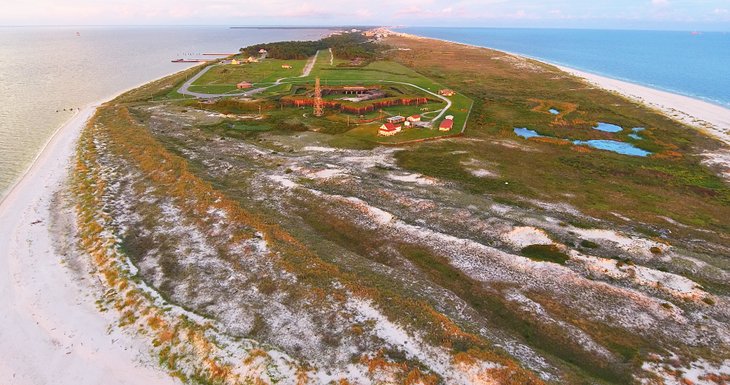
(614, 146)
(526, 133)
(608, 127)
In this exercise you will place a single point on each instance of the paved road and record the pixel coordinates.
(185, 88)
(444, 98)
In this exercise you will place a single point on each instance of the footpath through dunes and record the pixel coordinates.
(51, 331)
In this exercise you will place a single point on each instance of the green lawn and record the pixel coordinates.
(266, 71)
(388, 74)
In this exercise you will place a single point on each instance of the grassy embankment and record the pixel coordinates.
(511, 93)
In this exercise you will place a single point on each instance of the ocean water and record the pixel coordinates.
(696, 65)
(49, 69)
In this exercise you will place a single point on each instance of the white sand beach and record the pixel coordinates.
(712, 119)
(50, 329)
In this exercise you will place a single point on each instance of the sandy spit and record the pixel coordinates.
(51, 331)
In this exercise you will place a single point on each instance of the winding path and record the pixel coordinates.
(444, 98)
(185, 88)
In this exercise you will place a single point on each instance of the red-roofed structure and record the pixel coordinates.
(447, 92)
(446, 125)
(244, 85)
(389, 129)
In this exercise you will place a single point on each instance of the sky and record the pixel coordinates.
(602, 14)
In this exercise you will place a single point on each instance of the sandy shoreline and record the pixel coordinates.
(709, 118)
(712, 119)
(51, 331)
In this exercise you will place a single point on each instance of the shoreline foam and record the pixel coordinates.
(709, 118)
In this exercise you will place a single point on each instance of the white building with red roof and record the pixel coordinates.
(447, 124)
(389, 129)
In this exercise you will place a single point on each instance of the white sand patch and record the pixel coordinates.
(479, 168)
(381, 217)
(515, 145)
(284, 181)
(483, 173)
(327, 173)
(721, 160)
(412, 178)
(699, 372)
(378, 156)
(319, 149)
(525, 236)
(672, 284)
(634, 245)
(500, 209)
(435, 358)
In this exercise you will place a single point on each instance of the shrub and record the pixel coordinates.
(588, 244)
(547, 253)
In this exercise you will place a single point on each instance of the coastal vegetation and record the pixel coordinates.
(345, 46)
(257, 243)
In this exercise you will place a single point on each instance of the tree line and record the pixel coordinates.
(346, 46)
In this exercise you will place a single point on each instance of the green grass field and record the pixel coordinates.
(223, 78)
(392, 76)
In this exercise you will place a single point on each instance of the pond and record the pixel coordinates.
(614, 146)
(607, 145)
(608, 127)
(635, 133)
(527, 133)
(554, 111)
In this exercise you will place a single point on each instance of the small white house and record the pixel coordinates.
(389, 129)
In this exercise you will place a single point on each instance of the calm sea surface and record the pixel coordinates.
(45, 69)
(696, 65)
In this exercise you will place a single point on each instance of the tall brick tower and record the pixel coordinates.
(318, 102)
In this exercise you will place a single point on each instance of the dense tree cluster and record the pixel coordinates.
(345, 46)
(286, 50)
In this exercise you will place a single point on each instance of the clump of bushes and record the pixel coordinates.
(547, 253)
(588, 244)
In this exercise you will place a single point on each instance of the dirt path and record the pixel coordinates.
(309, 66)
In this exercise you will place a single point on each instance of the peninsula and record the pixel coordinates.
(379, 208)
